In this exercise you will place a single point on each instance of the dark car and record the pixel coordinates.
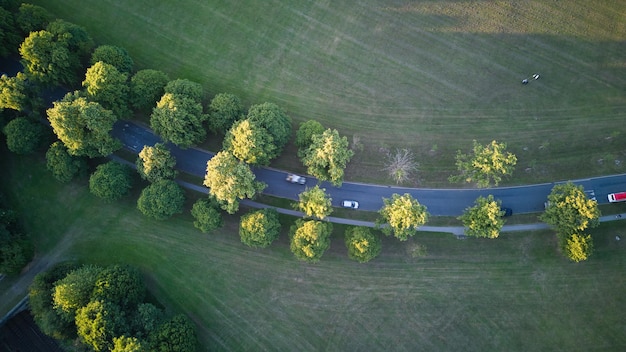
(507, 211)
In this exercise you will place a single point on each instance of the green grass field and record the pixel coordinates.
(428, 76)
(514, 293)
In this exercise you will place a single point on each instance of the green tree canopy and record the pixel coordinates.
(108, 86)
(98, 323)
(485, 164)
(156, 163)
(161, 200)
(146, 319)
(230, 180)
(207, 215)
(119, 284)
(47, 60)
(327, 156)
(175, 335)
(13, 92)
(250, 143)
(84, 127)
(9, 36)
(127, 344)
(31, 18)
(75, 37)
(23, 136)
(578, 247)
(260, 228)
(111, 181)
(185, 88)
(362, 244)
(16, 250)
(74, 291)
(225, 109)
(178, 119)
(403, 214)
(484, 219)
(304, 135)
(146, 87)
(274, 120)
(315, 202)
(64, 167)
(310, 239)
(569, 210)
(113, 55)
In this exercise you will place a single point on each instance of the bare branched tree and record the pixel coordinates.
(400, 165)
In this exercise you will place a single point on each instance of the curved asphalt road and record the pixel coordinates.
(440, 202)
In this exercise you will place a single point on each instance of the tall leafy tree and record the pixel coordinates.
(161, 200)
(64, 167)
(175, 335)
(179, 119)
(485, 165)
(578, 247)
(315, 202)
(108, 86)
(484, 219)
(84, 127)
(74, 291)
(13, 92)
(207, 215)
(250, 143)
(230, 180)
(111, 181)
(127, 344)
(310, 239)
(113, 55)
(23, 136)
(225, 109)
(16, 250)
(187, 88)
(119, 284)
(9, 36)
(304, 135)
(156, 163)
(31, 18)
(403, 214)
(274, 120)
(260, 228)
(362, 244)
(98, 323)
(146, 319)
(75, 37)
(47, 60)
(146, 87)
(327, 156)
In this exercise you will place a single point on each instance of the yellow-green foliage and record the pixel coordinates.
(484, 219)
(579, 247)
(404, 214)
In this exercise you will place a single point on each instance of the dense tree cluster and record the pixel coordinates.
(310, 239)
(16, 248)
(570, 213)
(225, 109)
(146, 87)
(111, 181)
(156, 163)
(106, 85)
(23, 135)
(327, 155)
(362, 244)
(104, 307)
(260, 228)
(161, 200)
(62, 164)
(113, 55)
(314, 202)
(207, 215)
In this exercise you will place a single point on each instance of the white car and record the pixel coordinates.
(353, 204)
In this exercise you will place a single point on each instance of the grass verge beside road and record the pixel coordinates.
(433, 292)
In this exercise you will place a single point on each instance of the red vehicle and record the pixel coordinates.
(617, 197)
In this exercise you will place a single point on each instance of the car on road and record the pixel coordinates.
(507, 211)
(617, 197)
(353, 204)
(293, 178)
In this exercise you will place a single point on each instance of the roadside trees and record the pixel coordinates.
(230, 180)
(310, 239)
(146, 87)
(156, 163)
(178, 119)
(225, 109)
(273, 120)
(161, 200)
(250, 143)
(32, 18)
(260, 228)
(304, 135)
(484, 219)
(362, 244)
(485, 164)
(111, 181)
(23, 136)
(64, 167)
(13, 92)
(314, 202)
(207, 215)
(113, 55)
(108, 86)
(570, 212)
(327, 156)
(403, 214)
(84, 127)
